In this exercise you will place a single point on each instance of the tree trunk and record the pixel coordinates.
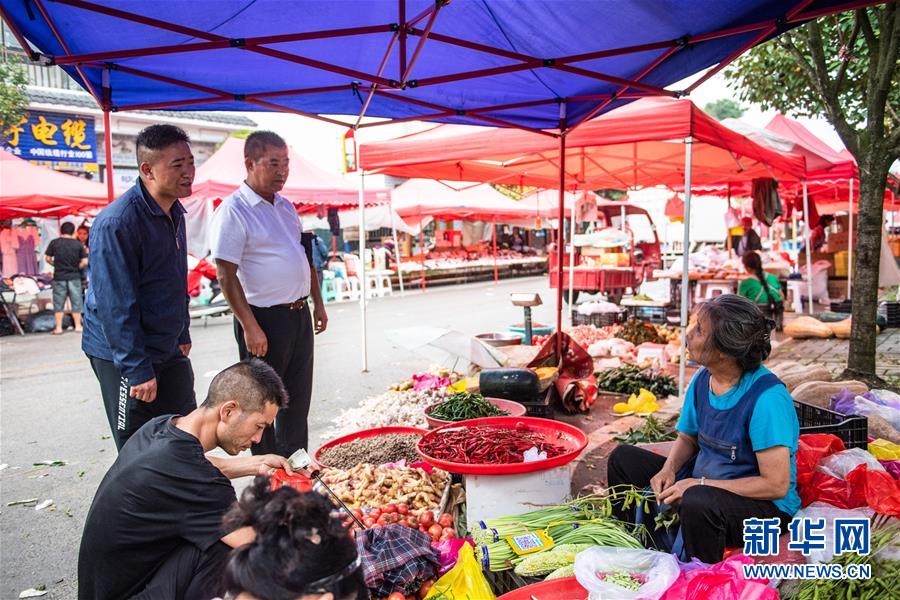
(867, 255)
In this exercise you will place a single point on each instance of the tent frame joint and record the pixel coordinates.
(237, 43)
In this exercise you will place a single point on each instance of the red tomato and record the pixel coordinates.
(446, 520)
(404, 522)
(357, 513)
(403, 509)
(389, 508)
(426, 518)
(396, 596)
(375, 513)
(413, 520)
(448, 534)
(369, 522)
(435, 531)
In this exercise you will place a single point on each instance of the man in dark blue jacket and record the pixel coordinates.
(136, 315)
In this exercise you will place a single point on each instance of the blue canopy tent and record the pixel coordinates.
(541, 65)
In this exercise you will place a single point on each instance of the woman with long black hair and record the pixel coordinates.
(763, 289)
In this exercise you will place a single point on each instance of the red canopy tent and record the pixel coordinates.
(640, 144)
(419, 199)
(308, 187)
(27, 190)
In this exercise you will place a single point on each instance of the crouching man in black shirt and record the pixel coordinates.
(155, 527)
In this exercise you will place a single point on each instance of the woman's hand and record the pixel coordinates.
(672, 495)
(662, 480)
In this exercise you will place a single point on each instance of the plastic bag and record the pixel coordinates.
(820, 510)
(884, 450)
(465, 580)
(841, 463)
(661, 570)
(449, 550)
(892, 467)
(863, 406)
(884, 397)
(860, 487)
(721, 581)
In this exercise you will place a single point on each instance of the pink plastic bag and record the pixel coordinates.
(721, 581)
(449, 550)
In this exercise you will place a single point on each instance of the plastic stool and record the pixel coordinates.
(329, 290)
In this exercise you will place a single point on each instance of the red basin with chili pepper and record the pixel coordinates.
(495, 445)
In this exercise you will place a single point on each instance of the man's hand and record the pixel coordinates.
(145, 392)
(269, 462)
(662, 480)
(185, 349)
(320, 318)
(672, 495)
(256, 341)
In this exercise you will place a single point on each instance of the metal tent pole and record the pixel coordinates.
(422, 250)
(685, 251)
(571, 264)
(560, 246)
(107, 144)
(396, 245)
(850, 239)
(807, 229)
(494, 243)
(363, 284)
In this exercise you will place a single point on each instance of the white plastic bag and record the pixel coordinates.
(823, 510)
(660, 569)
(841, 463)
(862, 406)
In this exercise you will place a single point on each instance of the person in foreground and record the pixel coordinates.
(301, 551)
(155, 527)
(737, 435)
(763, 289)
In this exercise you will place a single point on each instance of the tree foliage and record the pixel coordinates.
(724, 108)
(824, 69)
(13, 98)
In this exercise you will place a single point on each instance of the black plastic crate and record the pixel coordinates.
(599, 319)
(651, 314)
(542, 406)
(892, 314)
(844, 306)
(853, 429)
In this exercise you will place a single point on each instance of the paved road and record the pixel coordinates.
(51, 409)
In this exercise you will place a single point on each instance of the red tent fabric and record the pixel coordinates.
(308, 186)
(637, 145)
(27, 190)
(419, 198)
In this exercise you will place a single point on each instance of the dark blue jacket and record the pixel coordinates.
(136, 311)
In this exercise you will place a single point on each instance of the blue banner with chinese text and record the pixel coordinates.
(52, 136)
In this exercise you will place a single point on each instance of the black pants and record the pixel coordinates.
(290, 336)
(188, 574)
(174, 395)
(712, 519)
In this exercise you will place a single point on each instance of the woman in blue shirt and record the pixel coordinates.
(737, 435)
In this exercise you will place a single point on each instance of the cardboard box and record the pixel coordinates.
(838, 240)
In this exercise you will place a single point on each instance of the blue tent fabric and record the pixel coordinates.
(540, 29)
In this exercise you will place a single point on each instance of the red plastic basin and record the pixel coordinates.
(361, 435)
(513, 408)
(566, 588)
(568, 436)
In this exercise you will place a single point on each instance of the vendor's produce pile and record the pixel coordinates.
(376, 450)
(438, 528)
(433, 378)
(630, 379)
(638, 332)
(463, 405)
(370, 486)
(650, 432)
(393, 408)
(642, 403)
(573, 527)
(804, 327)
(486, 444)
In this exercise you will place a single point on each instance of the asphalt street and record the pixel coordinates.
(50, 409)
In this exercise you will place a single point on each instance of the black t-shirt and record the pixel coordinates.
(67, 254)
(160, 493)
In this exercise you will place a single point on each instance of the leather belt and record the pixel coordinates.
(298, 304)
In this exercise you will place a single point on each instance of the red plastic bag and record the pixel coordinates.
(721, 581)
(299, 482)
(576, 384)
(862, 487)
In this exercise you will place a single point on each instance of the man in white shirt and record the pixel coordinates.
(265, 275)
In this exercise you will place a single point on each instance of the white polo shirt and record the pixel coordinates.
(263, 240)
